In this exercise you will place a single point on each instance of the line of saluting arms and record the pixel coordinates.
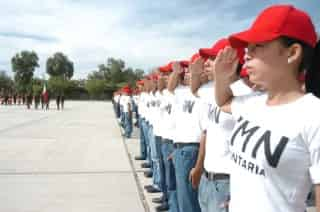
(236, 127)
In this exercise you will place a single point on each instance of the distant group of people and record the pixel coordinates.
(234, 128)
(125, 105)
(42, 100)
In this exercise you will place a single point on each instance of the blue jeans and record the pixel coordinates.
(184, 160)
(212, 194)
(170, 177)
(127, 125)
(135, 109)
(145, 128)
(122, 117)
(143, 145)
(154, 158)
(117, 108)
(162, 178)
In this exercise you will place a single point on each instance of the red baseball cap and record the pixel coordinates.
(184, 63)
(166, 68)
(219, 45)
(127, 90)
(214, 50)
(194, 57)
(277, 21)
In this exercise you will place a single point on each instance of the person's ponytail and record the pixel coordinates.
(312, 80)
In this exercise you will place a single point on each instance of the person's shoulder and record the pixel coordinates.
(310, 104)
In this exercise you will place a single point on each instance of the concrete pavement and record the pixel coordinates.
(71, 160)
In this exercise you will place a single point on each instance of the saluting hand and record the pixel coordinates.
(197, 66)
(174, 76)
(176, 67)
(226, 62)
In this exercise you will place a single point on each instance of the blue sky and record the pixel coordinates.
(144, 33)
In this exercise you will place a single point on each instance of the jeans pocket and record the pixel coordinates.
(189, 153)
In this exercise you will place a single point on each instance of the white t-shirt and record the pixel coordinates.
(148, 106)
(166, 118)
(275, 154)
(206, 92)
(240, 88)
(116, 98)
(156, 116)
(218, 125)
(186, 114)
(207, 98)
(135, 99)
(142, 104)
(125, 101)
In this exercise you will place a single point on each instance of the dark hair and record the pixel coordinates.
(310, 64)
(239, 67)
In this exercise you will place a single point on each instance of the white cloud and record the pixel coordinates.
(142, 33)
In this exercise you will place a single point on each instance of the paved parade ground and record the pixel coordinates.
(69, 161)
(65, 161)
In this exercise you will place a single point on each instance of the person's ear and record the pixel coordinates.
(295, 53)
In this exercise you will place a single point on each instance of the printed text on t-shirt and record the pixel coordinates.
(242, 130)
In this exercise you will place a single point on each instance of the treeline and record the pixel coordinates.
(99, 84)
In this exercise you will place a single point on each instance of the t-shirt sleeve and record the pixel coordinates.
(312, 137)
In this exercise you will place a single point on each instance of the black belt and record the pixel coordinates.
(166, 141)
(216, 176)
(181, 145)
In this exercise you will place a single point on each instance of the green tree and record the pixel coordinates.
(6, 83)
(109, 77)
(116, 74)
(23, 66)
(37, 86)
(57, 84)
(95, 88)
(60, 65)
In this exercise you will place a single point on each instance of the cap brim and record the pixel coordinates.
(207, 52)
(165, 70)
(162, 69)
(242, 39)
(184, 64)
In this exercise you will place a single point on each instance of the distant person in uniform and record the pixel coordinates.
(42, 101)
(58, 101)
(29, 100)
(46, 100)
(14, 98)
(36, 101)
(23, 99)
(62, 101)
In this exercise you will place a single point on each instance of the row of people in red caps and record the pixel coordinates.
(235, 128)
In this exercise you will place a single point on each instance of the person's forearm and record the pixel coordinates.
(195, 83)
(173, 82)
(223, 93)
